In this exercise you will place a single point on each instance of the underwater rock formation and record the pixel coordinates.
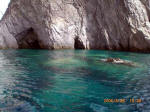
(77, 24)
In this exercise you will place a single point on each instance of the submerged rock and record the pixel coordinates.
(77, 24)
(119, 61)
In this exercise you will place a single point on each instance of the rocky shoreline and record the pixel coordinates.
(77, 24)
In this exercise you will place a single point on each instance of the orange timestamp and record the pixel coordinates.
(122, 100)
(135, 100)
(114, 100)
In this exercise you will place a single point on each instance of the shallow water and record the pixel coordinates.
(72, 81)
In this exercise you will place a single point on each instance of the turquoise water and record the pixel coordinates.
(72, 81)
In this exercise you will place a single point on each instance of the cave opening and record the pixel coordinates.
(28, 39)
(78, 44)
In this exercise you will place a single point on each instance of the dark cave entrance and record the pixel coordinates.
(78, 44)
(28, 39)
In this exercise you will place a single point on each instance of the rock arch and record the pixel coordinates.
(28, 39)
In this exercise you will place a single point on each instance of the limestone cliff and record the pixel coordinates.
(77, 24)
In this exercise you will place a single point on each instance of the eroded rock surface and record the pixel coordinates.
(72, 24)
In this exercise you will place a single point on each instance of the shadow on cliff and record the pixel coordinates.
(107, 27)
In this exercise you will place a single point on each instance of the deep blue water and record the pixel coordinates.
(72, 81)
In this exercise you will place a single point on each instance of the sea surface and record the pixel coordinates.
(73, 81)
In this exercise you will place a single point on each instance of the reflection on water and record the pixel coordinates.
(72, 81)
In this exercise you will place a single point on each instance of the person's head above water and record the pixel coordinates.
(110, 60)
(113, 59)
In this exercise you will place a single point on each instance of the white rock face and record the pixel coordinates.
(77, 24)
